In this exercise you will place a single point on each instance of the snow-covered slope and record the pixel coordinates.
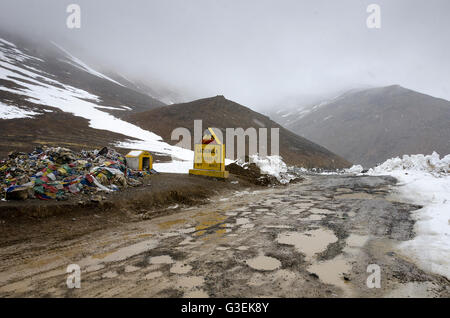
(288, 112)
(425, 180)
(27, 80)
(83, 66)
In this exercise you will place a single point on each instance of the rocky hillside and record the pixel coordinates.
(222, 113)
(50, 97)
(372, 125)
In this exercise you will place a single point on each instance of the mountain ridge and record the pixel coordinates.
(372, 125)
(219, 112)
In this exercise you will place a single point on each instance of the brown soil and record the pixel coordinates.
(161, 194)
(303, 240)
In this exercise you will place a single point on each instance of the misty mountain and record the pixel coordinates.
(290, 109)
(48, 96)
(372, 125)
(53, 64)
(219, 112)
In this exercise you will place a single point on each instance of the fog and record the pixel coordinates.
(255, 52)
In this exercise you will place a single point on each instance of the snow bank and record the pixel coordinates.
(430, 163)
(425, 180)
(175, 166)
(356, 169)
(272, 165)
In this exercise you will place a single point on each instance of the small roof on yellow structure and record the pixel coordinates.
(137, 153)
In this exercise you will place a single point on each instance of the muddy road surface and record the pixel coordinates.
(315, 238)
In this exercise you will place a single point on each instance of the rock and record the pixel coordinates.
(96, 198)
(103, 151)
(15, 154)
(314, 275)
(18, 194)
(252, 173)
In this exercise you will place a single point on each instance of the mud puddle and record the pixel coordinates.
(309, 243)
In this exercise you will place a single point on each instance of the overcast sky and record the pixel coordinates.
(255, 52)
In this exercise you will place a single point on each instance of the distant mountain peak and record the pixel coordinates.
(372, 125)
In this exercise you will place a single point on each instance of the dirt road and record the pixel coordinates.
(311, 239)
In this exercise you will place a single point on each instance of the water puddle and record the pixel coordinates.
(314, 217)
(196, 294)
(332, 272)
(240, 221)
(187, 241)
(263, 263)
(20, 285)
(321, 211)
(210, 220)
(144, 235)
(168, 224)
(355, 240)
(303, 206)
(163, 259)
(222, 248)
(187, 230)
(153, 275)
(110, 274)
(180, 268)
(308, 243)
(94, 268)
(190, 281)
(131, 268)
(346, 190)
(281, 226)
(103, 255)
(119, 254)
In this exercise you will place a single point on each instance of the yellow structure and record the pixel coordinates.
(139, 160)
(209, 159)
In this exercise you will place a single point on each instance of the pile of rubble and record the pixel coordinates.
(252, 173)
(55, 173)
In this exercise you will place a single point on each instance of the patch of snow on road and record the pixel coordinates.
(425, 180)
